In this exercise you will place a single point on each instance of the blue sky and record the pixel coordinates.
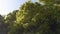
(7, 6)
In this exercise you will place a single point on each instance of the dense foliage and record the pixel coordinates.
(33, 18)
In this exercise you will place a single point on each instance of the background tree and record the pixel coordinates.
(2, 26)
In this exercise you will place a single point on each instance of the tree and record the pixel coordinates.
(34, 18)
(2, 26)
(10, 20)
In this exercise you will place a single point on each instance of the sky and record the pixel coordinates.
(7, 6)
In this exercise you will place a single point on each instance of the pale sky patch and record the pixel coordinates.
(7, 6)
